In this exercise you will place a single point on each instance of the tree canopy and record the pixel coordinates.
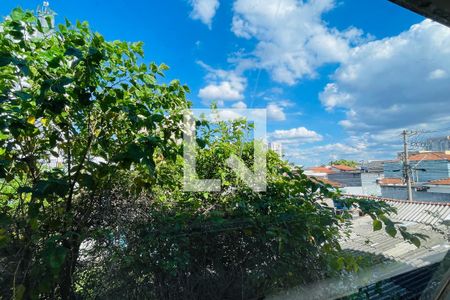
(345, 162)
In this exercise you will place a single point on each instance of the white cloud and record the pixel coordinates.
(438, 74)
(204, 10)
(222, 85)
(275, 112)
(394, 83)
(239, 105)
(293, 41)
(296, 135)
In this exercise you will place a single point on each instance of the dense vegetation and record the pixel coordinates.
(345, 162)
(91, 198)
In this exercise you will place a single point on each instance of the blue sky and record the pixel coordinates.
(340, 79)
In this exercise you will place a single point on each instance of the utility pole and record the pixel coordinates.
(406, 166)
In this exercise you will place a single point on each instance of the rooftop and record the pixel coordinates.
(343, 168)
(391, 181)
(403, 257)
(430, 156)
(326, 181)
(326, 170)
(445, 181)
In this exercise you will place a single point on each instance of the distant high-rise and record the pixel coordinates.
(277, 148)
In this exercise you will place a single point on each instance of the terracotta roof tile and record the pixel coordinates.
(445, 181)
(343, 168)
(326, 181)
(321, 170)
(389, 181)
(430, 156)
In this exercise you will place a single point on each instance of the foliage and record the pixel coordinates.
(344, 162)
(76, 112)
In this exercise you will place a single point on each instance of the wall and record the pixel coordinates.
(439, 189)
(369, 182)
(346, 178)
(399, 192)
(432, 170)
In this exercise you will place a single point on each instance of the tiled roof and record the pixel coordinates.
(326, 181)
(343, 168)
(321, 170)
(430, 156)
(445, 181)
(391, 181)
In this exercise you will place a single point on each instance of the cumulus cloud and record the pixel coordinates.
(222, 85)
(275, 112)
(394, 83)
(292, 39)
(239, 105)
(204, 10)
(296, 136)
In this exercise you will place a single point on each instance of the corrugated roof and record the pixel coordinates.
(429, 213)
(418, 217)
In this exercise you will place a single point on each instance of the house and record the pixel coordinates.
(426, 166)
(326, 181)
(342, 168)
(322, 171)
(348, 178)
(430, 172)
(433, 191)
(439, 186)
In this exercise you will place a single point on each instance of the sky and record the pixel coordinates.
(340, 79)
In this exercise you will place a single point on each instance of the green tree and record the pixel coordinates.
(223, 245)
(76, 112)
(345, 162)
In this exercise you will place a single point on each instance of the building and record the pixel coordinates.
(433, 191)
(277, 148)
(438, 186)
(322, 172)
(342, 168)
(426, 166)
(440, 144)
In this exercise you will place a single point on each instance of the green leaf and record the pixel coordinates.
(5, 59)
(57, 256)
(377, 225)
(415, 240)
(17, 14)
(19, 291)
(164, 67)
(390, 229)
(71, 51)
